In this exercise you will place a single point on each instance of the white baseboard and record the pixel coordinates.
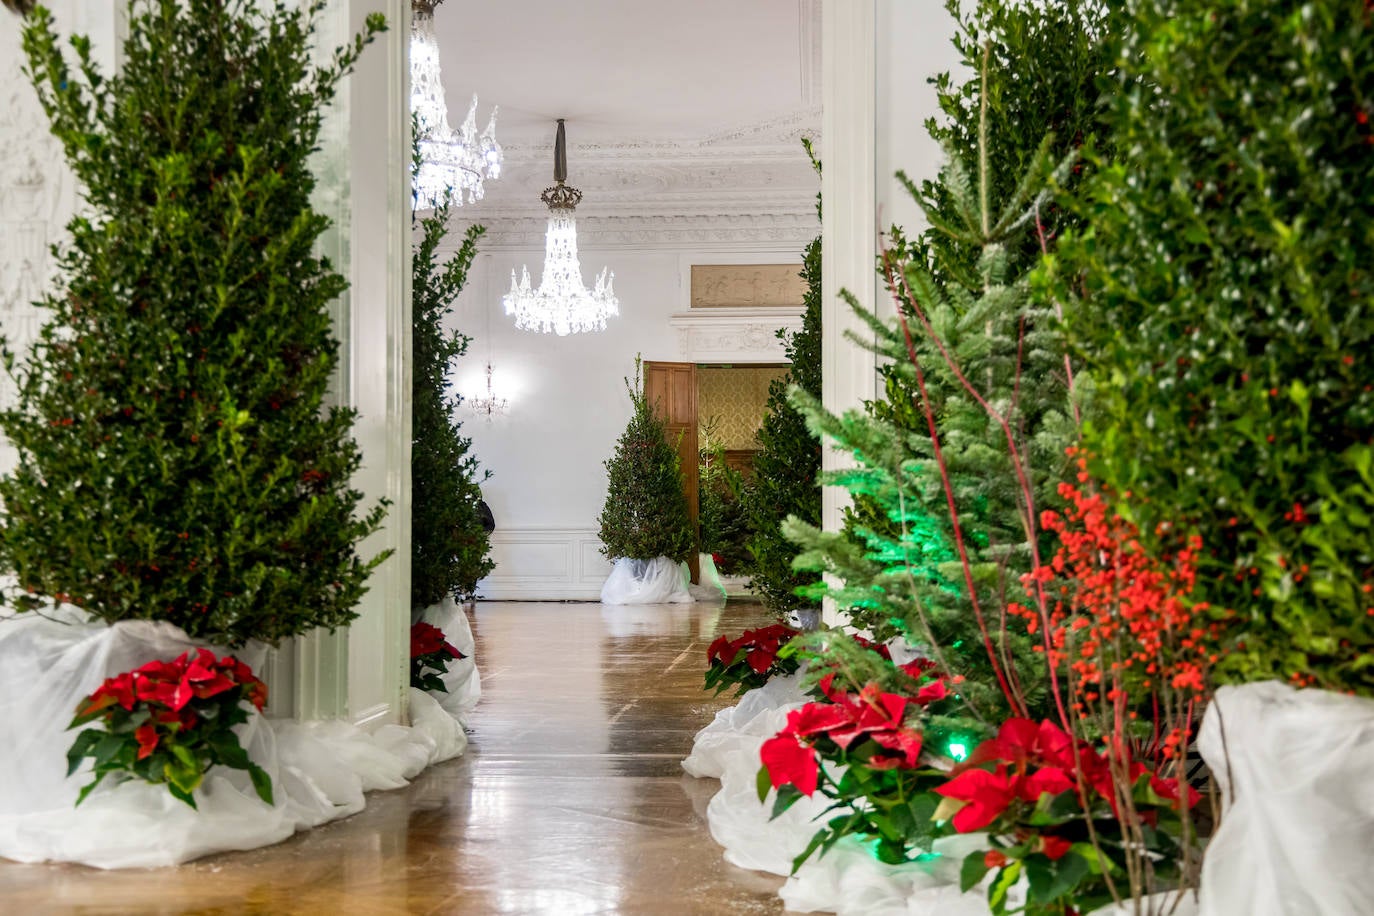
(545, 564)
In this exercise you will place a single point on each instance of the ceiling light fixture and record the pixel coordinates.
(561, 305)
(461, 160)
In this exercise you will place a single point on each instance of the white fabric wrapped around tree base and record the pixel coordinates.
(319, 770)
(738, 730)
(710, 587)
(656, 581)
(849, 881)
(728, 749)
(463, 681)
(1295, 769)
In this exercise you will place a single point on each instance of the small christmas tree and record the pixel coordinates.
(789, 459)
(449, 546)
(899, 565)
(176, 460)
(646, 513)
(724, 531)
(1221, 299)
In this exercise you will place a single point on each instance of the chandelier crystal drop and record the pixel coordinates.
(561, 305)
(462, 160)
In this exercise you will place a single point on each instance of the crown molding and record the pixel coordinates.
(748, 186)
(783, 232)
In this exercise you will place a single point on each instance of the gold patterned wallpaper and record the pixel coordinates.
(731, 402)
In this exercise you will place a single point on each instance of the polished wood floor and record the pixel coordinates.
(570, 801)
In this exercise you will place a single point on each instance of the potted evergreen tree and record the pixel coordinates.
(788, 463)
(177, 460)
(645, 524)
(181, 479)
(450, 547)
(1221, 299)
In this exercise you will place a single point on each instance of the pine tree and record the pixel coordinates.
(176, 461)
(1227, 316)
(646, 514)
(897, 565)
(724, 530)
(449, 547)
(788, 463)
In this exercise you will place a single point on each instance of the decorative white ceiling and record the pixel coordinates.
(684, 119)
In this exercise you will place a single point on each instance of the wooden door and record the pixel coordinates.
(671, 390)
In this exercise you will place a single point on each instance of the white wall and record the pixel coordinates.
(568, 405)
(913, 44)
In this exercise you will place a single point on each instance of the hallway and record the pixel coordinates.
(569, 801)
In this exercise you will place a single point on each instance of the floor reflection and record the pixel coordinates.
(570, 800)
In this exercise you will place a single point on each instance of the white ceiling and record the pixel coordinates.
(628, 71)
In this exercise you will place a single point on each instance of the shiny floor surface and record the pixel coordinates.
(571, 799)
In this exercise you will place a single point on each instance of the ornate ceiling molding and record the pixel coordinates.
(757, 232)
(749, 186)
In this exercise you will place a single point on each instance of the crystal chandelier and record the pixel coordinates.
(460, 160)
(491, 405)
(561, 304)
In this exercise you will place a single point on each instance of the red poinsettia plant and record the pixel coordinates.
(169, 723)
(749, 660)
(430, 654)
(873, 739)
(1051, 806)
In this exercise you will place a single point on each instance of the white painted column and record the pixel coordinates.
(379, 347)
(361, 673)
(849, 218)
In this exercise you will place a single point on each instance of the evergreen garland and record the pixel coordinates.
(176, 460)
(788, 463)
(1228, 316)
(646, 514)
(449, 545)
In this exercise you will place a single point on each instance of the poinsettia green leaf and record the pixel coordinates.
(972, 870)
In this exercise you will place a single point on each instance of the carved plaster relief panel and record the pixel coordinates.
(746, 285)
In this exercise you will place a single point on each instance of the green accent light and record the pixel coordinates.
(958, 750)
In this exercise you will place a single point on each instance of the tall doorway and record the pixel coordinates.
(713, 413)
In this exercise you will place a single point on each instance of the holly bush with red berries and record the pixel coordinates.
(177, 459)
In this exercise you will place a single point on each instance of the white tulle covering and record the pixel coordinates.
(1296, 773)
(728, 749)
(463, 680)
(711, 587)
(319, 770)
(656, 581)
